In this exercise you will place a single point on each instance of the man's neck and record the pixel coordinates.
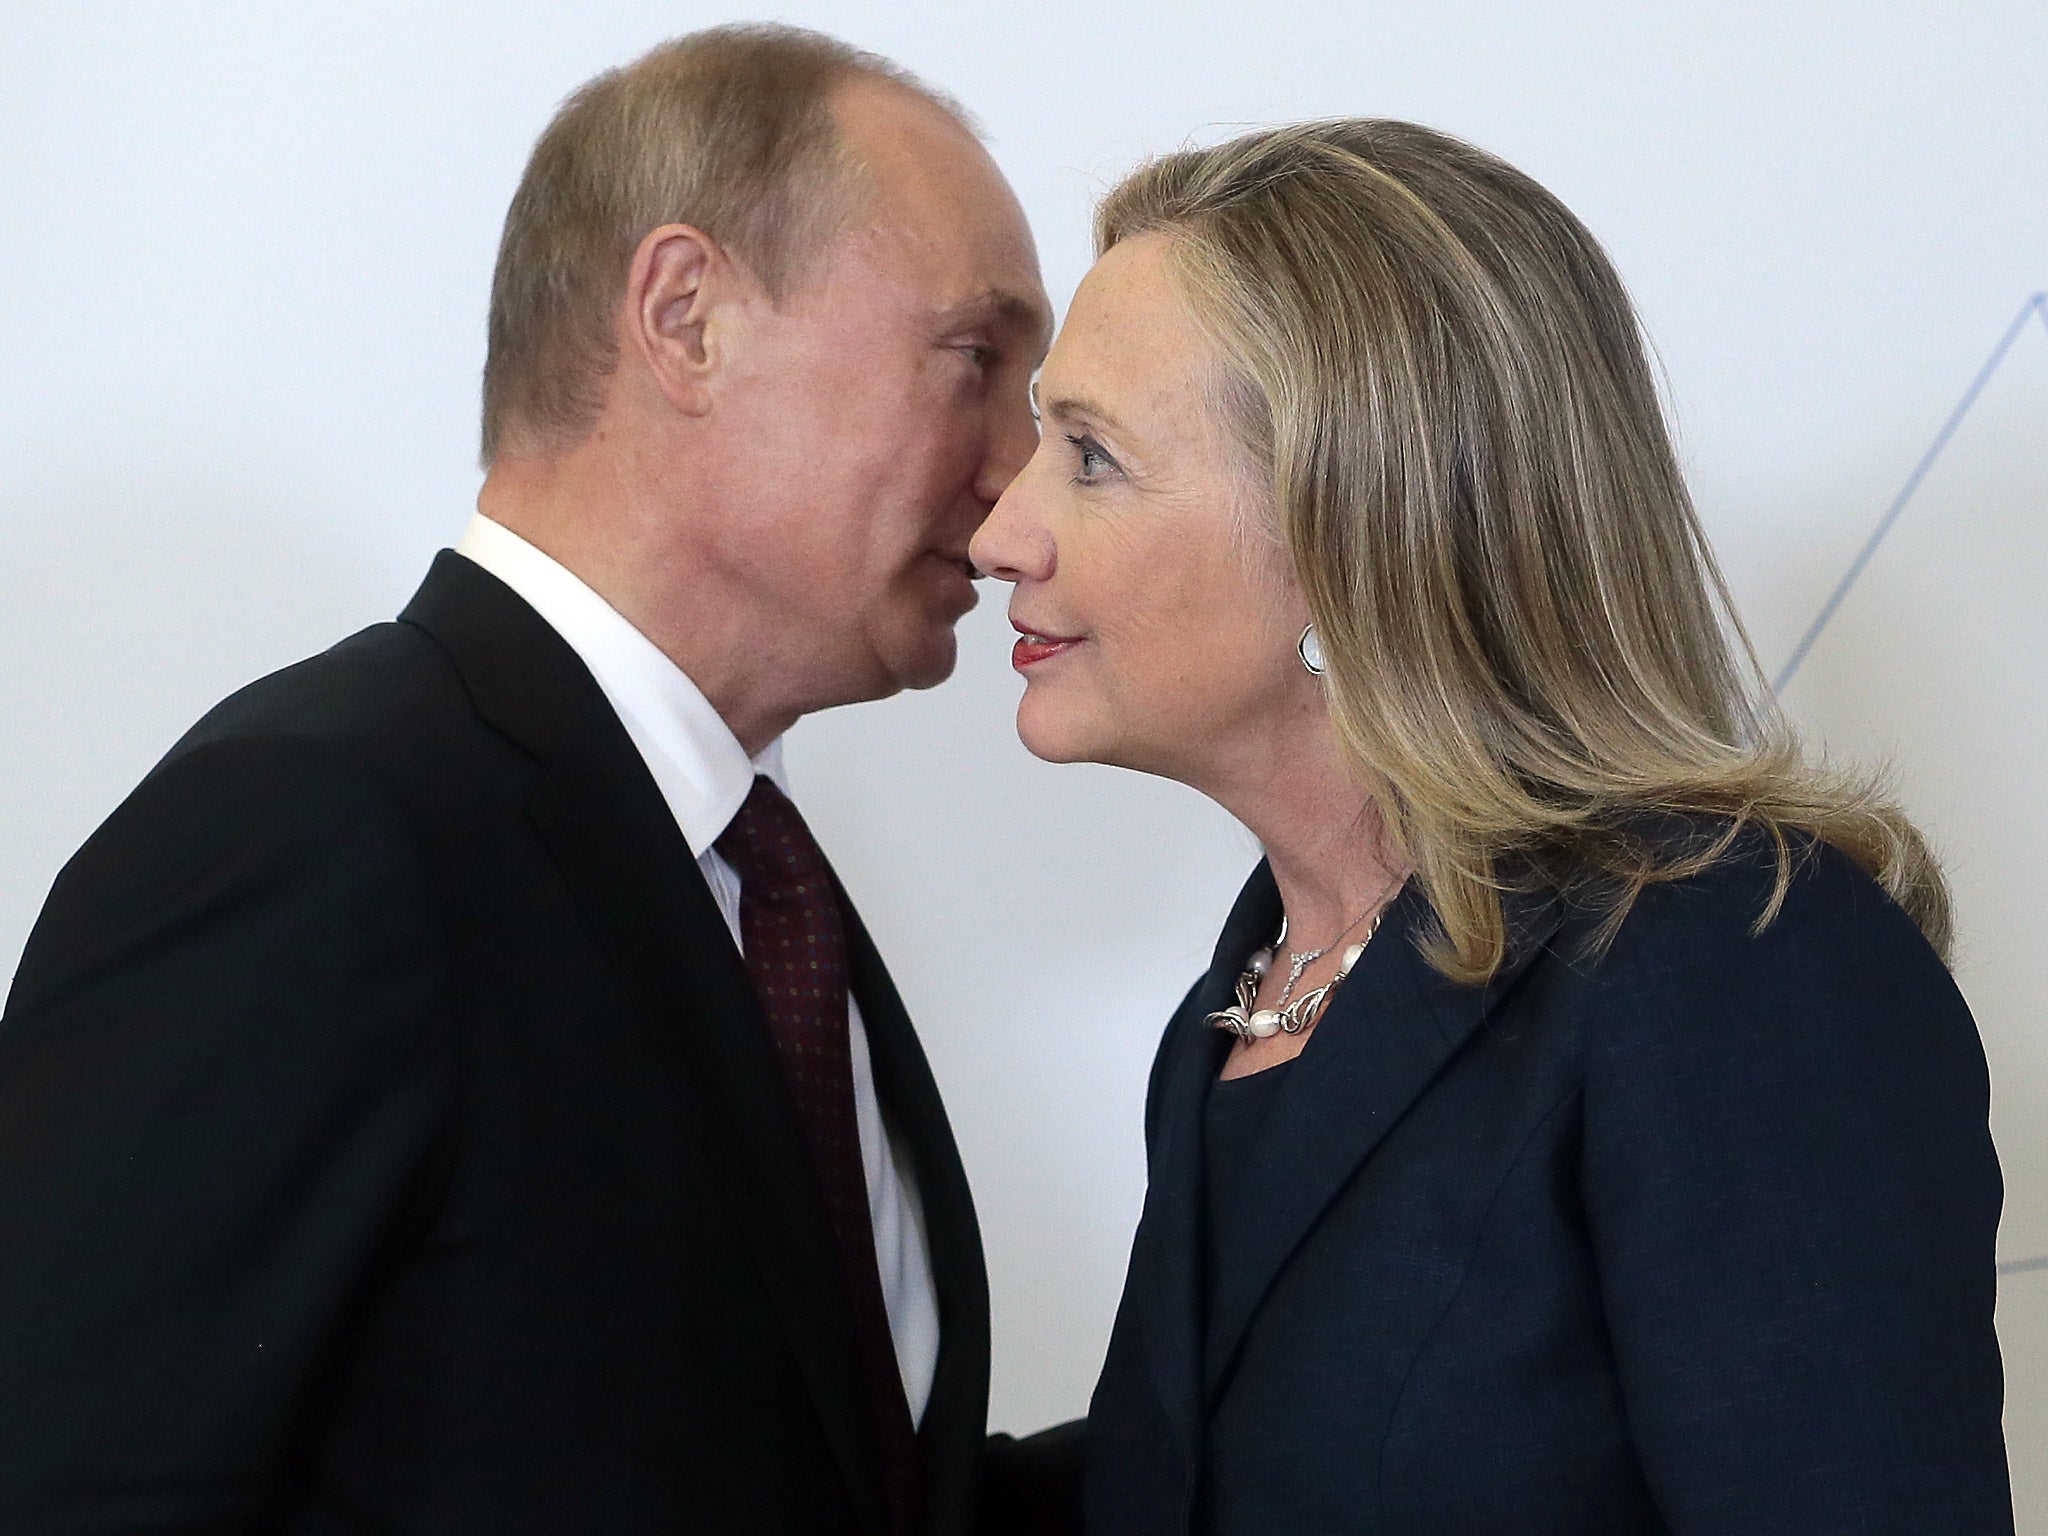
(633, 551)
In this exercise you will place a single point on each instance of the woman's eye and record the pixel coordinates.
(1092, 463)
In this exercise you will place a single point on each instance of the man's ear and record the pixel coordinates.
(679, 282)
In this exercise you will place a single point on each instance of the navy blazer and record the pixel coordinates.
(1695, 1236)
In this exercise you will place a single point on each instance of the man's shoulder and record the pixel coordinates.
(342, 767)
(383, 715)
(390, 678)
(384, 697)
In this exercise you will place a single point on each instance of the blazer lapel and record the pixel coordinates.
(1166, 1255)
(618, 848)
(956, 1415)
(1390, 1029)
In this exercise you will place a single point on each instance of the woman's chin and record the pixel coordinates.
(1048, 735)
(1048, 746)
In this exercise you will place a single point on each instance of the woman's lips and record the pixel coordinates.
(1032, 647)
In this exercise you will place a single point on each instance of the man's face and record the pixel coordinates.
(887, 406)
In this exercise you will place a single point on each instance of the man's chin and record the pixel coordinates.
(902, 663)
(914, 652)
(932, 663)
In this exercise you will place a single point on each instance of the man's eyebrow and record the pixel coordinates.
(1000, 307)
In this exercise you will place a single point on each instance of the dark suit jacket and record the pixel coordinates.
(1695, 1237)
(390, 1141)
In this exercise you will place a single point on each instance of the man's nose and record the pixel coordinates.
(1012, 439)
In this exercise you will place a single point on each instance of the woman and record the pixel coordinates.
(1578, 1131)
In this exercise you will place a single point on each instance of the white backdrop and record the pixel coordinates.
(244, 255)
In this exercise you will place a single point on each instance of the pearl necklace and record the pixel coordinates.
(1285, 1017)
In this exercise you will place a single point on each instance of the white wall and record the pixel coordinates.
(244, 252)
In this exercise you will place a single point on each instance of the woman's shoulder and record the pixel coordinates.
(1758, 891)
(1759, 1088)
(1780, 938)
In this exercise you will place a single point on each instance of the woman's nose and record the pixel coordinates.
(1010, 546)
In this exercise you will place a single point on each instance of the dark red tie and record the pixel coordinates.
(795, 945)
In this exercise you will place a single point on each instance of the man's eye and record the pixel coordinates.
(978, 353)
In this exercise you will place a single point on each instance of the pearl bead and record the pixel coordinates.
(1260, 962)
(1351, 957)
(1265, 1024)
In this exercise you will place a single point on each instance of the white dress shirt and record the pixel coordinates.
(704, 774)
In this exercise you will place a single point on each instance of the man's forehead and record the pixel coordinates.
(932, 184)
(910, 150)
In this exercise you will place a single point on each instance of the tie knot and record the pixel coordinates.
(770, 848)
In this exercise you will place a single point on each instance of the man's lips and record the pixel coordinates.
(961, 594)
(1033, 647)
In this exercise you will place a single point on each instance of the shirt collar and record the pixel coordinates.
(698, 764)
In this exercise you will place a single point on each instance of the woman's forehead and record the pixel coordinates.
(1129, 348)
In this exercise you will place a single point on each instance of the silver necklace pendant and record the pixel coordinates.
(1295, 1016)
(1295, 967)
(1286, 1017)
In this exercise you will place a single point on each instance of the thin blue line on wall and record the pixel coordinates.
(2037, 305)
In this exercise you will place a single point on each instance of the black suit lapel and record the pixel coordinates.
(1166, 1254)
(956, 1415)
(1390, 1029)
(622, 855)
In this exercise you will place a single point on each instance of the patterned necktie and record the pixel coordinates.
(795, 944)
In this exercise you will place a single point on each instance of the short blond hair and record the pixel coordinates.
(1439, 382)
(729, 130)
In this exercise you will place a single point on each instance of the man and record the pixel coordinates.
(453, 1093)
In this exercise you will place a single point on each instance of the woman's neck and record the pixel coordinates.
(1321, 831)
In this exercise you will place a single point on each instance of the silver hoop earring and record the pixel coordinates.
(1310, 645)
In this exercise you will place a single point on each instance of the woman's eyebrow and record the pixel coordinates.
(1068, 408)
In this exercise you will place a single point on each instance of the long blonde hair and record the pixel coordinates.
(1433, 368)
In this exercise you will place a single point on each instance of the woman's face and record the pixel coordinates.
(1155, 635)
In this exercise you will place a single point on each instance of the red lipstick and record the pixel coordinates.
(1033, 647)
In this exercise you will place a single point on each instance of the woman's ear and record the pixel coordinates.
(679, 281)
